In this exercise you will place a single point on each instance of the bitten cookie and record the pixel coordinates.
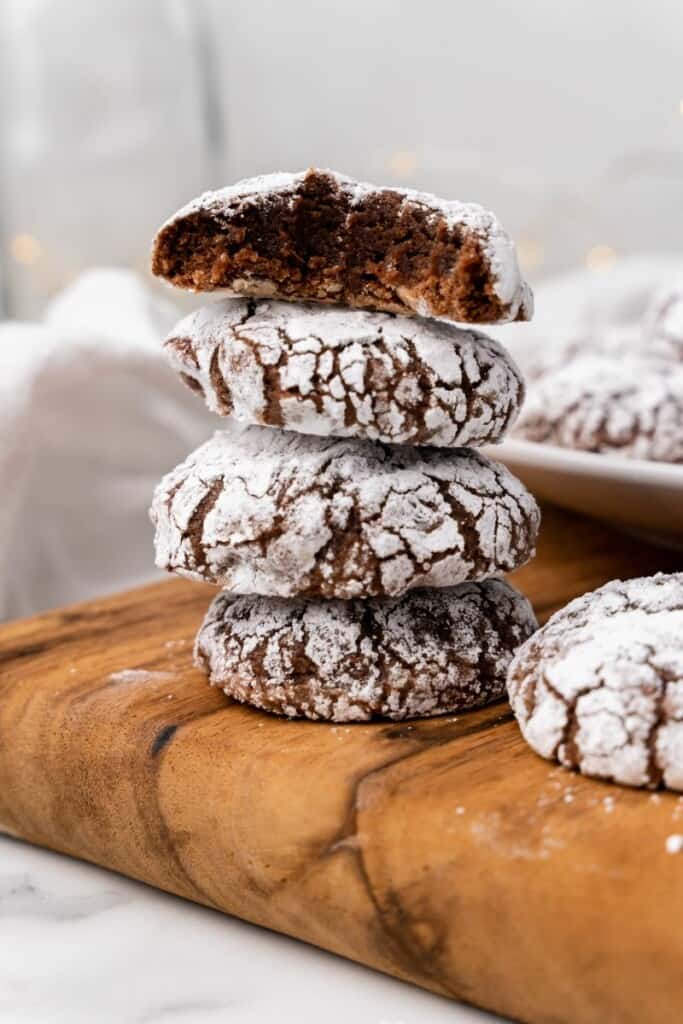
(427, 653)
(276, 513)
(600, 686)
(327, 370)
(663, 324)
(318, 236)
(628, 407)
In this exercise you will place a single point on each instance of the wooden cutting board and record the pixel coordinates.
(443, 852)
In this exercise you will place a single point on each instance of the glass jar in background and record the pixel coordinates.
(110, 121)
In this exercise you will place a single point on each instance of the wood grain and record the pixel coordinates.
(443, 852)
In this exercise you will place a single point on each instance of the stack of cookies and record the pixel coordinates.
(357, 535)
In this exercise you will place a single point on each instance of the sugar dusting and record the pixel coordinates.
(174, 645)
(138, 675)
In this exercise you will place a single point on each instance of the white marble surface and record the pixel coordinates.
(79, 944)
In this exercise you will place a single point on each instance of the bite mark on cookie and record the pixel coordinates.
(319, 236)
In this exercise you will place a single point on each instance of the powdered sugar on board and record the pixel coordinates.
(499, 250)
(277, 513)
(600, 686)
(139, 675)
(328, 370)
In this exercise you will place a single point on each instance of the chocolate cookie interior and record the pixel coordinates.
(320, 241)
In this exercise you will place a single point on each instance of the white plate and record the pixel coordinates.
(644, 497)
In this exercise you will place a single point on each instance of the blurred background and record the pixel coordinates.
(566, 119)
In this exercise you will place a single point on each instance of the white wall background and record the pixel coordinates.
(566, 118)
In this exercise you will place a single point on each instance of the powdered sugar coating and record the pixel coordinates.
(629, 406)
(506, 280)
(600, 686)
(429, 652)
(277, 513)
(663, 324)
(351, 373)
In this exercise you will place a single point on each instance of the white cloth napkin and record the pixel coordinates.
(91, 417)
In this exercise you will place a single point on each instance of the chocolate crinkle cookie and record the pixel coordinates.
(663, 324)
(600, 687)
(319, 236)
(328, 370)
(277, 513)
(539, 357)
(429, 652)
(629, 406)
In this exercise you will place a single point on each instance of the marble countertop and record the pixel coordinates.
(80, 944)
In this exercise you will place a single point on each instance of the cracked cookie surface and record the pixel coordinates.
(630, 406)
(319, 236)
(349, 373)
(277, 513)
(429, 652)
(599, 688)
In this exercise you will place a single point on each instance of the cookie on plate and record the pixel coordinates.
(319, 236)
(600, 686)
(540, 355)
(429, 652)
(628, 406)
(351, 373)
(284, 514)
(663, 324)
